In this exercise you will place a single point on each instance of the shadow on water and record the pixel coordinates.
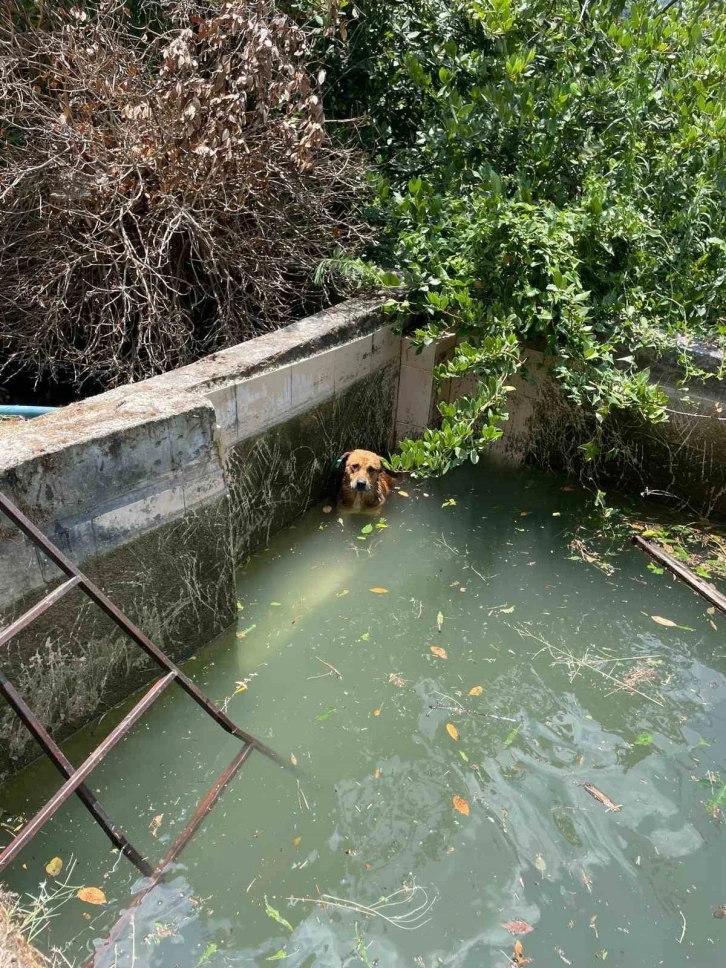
(506, 716)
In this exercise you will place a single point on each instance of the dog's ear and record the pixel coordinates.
(336, 477)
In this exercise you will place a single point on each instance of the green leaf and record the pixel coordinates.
(511, 736)
(367, 529)
(326, 714)
(275, 914)
(644, 739)
(278, 956)
(208, 952)
(463, 755)
(276, 604)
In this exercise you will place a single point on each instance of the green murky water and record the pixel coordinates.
(370, 808)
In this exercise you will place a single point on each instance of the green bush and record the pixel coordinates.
(547, 171)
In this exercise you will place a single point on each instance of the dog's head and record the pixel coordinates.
(361, 470)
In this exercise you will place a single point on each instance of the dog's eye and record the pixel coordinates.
(355, 467)
(372, 470)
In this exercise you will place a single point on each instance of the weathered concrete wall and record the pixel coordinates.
(156, 489)
(681, 462)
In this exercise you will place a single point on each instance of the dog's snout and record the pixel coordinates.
(361, 484)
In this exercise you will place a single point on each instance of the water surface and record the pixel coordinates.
(479, 566)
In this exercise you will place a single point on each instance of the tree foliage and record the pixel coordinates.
(548, 172)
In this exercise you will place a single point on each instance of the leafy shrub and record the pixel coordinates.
(550, 172)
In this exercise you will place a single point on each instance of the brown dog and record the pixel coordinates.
(364, 484)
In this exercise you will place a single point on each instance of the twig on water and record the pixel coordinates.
(301, 798)
(683, 932)
(576, 664)
(456, 707)
(410, 920)
(333, 670)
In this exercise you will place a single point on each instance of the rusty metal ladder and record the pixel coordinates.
(75, 778)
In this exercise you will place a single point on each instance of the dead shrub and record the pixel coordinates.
(165, 190)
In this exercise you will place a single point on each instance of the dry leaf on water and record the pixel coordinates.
(452, 731)
(293, 759)
(440, 620)
(376, 712)
(377, 775)
(437, 650)
(540, 863)
(296, 842)
(476, 691)
(518, 951)
(379, 591)
(664, 621)
(402, 493)
(517, 927)
(92, 895)
(54, 867)
(461, 805)
(155, 824)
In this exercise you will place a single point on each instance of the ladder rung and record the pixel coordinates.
(89, 764)
(42, 606)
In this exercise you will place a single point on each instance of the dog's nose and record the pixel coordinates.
(360, 485)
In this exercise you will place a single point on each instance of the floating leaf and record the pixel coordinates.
(440, 620)
(326, 714)
(380, 525)
(376, 712)
(644, 739)
(276, 604)
(523, 514)
(276, 916)
(567, 488)
(293, 759)
(342, 594)
(246, 632)
(379, 591)
(461, 805)
(377, 774)
(327, 509)
(278, 955)
(664, 621)
(449, 503)
(540, 863)
(54, 867)
(556, 514)
(403, 493)
(296, 841)
(476, 691)
(155, 824)
(720, 912)
(367, 529)
(507, 611)
(365, 636)
(517, 927)
(512, 735)
(208, 952)
(92, 895)
(463, 755)
(437, 650)
(452, 731)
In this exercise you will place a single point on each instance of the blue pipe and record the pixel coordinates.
(27, 412)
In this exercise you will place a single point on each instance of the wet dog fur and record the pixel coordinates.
(363, 482)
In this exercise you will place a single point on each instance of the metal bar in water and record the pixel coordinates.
(176, 848)
(56, 755)
(77, 778)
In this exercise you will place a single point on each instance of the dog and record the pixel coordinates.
(363, 482)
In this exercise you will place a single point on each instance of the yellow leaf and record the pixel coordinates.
(344, 592)
(155, 824)
(452, 731)
(403, 493)
(476, 691)
(663, 621)
(379, 591)
(376, 712)
(461, 805)
(54, 867)
(437, 650)
(92, 895)
(377, 775)
(296, 842)
(523, 514)
(293, 759)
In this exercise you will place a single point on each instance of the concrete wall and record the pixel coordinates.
(158, 488)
